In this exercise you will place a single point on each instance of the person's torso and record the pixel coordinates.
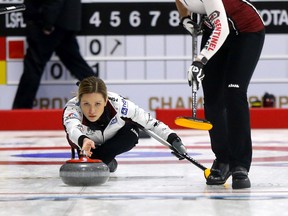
(65, 14)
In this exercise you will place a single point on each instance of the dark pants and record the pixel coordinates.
(227, 76)
(125, 139)
(39, 52)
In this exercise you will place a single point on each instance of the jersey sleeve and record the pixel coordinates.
(218, 18)
(72, 120)
(128, 109)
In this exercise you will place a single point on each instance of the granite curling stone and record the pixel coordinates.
(84, 172)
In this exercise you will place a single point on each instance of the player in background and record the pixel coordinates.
(232, 41)
(105, 124)
(51, 27)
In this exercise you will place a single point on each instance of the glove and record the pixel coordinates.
(191, 26)
(196, 74)
(178, 149)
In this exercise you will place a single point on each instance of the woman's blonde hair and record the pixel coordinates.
(92, 85)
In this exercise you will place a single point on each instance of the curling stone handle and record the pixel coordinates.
(83, 153)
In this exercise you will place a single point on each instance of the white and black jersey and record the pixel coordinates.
(117, 112)
(223, 16)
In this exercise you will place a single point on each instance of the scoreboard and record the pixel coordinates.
(115, 40)
(134, 46)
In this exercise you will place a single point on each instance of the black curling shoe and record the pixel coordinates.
(113, 165)
(240, 178)
(219, 173)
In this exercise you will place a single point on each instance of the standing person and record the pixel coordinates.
(51, 26)
(104, 124)
(232, 42)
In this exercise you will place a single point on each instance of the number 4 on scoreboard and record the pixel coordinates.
(95, 19)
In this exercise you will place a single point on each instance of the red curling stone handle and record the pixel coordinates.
(84, 159)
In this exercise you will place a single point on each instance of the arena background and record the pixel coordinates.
(140, 51)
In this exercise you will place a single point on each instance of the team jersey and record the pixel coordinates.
(117, 111)
(222, 16)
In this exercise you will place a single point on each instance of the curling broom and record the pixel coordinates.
(188, 121)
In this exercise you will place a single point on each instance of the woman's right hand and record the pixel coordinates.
(88, 144)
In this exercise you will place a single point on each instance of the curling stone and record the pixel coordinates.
(84, 172)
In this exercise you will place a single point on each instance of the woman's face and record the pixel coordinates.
(92, 105)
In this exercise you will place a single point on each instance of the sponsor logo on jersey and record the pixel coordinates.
(124, 109)
(90, 131)
(80, 127)
(113, 99)
(233, 86)
(71, 116)
(214, 38)
(214, 15)
(134, 131)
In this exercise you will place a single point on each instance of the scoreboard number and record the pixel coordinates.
(56, 71)
(95, 19)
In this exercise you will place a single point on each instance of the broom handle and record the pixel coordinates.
(194, 54)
